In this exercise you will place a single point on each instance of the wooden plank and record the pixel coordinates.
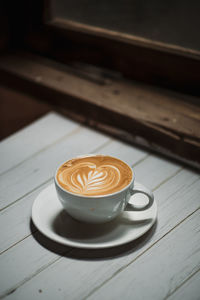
(36, 171)
(91, 273)
(32, 139)
(138, 280)
(14, 224)
(124, 37)
(189, 290)
(131, 155)
(18, 227)
(18, 224)
(161, 269)
(145, 111)
(23, 263)
(158, 170)
(138, 99)
(140, 59)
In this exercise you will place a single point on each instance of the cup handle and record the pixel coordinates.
(140, 188)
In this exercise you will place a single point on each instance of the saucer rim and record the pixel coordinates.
(81, 245)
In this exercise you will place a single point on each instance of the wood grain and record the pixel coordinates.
(31, 262)
(16, 263)
(40, 168)
(142, 59)
(138, 99)
(189, 290)
(158, 272)
(15, 224)
(32, 139)
(145, 112)
(121, 36)
(180, 189)
(135, 57)
(154, 171)
(18, 227)
(131, 155)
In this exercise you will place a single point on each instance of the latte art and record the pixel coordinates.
(94, 175)
(87, 177)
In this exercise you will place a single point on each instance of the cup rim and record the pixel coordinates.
(94, 196)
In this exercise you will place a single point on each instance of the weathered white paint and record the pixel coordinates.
(126, 152)
(15, 263)
(18, 228)
(15, 220)
(189, 290)
(33, 138)
(32, 173)
(37, 272)
(161, 269)
(90, 274)
(154, 170)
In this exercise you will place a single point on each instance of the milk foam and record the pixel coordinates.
(95, 175)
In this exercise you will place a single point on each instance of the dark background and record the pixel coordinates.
(174, 21)
(24, 28)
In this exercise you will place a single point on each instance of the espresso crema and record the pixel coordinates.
(94, 175)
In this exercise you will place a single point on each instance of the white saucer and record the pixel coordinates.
(50, 218)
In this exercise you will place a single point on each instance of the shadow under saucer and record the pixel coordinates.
(117, 232)
(91, 254)
(66, 226)
(56, 224)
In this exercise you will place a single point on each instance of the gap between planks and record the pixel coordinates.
(116, 273)
(74, 131)
(124, 267)
(182, 284)
(71, 250)
(43, 149)
(34, 137)
(139, 161)
(49, 180)
(35, 189)
(168, 178)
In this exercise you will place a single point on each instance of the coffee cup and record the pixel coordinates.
(98, 188)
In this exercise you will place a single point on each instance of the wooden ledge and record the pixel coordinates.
(162, 120)
(74, 26)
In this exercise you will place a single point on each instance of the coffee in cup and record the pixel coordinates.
(97, 188)
(94, 175)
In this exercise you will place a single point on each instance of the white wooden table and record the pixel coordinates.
(163, 264)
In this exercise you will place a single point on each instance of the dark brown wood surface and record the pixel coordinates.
(17, 110)
(30, 25)
(124, 37)
(168, 23)
(136, 58)
(157, 118)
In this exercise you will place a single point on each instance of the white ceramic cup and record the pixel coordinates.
(104, 208)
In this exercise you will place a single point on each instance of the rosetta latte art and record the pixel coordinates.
(87, 177)
(90, 178)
